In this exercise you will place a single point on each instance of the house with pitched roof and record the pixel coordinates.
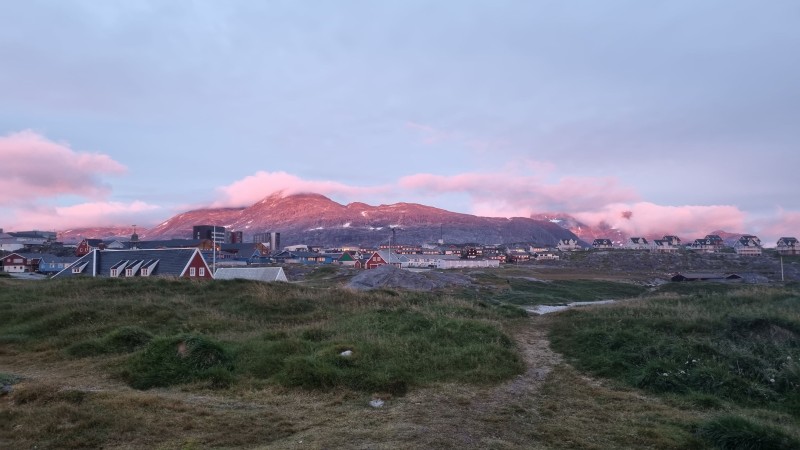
(383, 257)
(167, 262)
(637, 243)
(51, 264)
(602, 244)
(568, 245)
(20, 262)
(788, 246)
(748, 245)
(665, 245)
(704, 245)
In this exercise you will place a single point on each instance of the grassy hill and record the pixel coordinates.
(165, 363)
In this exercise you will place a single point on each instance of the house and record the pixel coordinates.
(347, 259)
(637, 243)
(382, 257)
(748, 245)
(568, 245)
(547, 256)
(266, 274)
(50, 264)
(704, 245)
(10, 243)
(716, 241)
(202, 244)
(87, 245)
(302, 257)
(446, 262)
(20, 262)
(673, 241)
(664, 246)
(787, 246)
(602, 244)
(168, 262)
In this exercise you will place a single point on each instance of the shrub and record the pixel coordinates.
(176, 360)
(736, 433)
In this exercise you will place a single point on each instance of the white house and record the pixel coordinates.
(637, 243)
(748, 245)
(788, 246)
(568, 245)
(266, 274)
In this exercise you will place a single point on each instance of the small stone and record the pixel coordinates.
(376, 403)
(5, 389)
(346, 353)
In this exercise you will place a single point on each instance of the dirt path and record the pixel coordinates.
(441, 416)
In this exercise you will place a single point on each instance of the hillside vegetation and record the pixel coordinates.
(167, 363)
(734, 352)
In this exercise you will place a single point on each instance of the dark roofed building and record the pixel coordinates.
(602, 243)
(169, 262)
(787, 246)
(697, 276)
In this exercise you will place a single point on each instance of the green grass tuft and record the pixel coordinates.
(176, 360)
(741, 347)
(736, 433)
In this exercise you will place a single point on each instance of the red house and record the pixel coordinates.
(168, 262)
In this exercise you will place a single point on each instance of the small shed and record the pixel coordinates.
(266, 274)
(696, 276)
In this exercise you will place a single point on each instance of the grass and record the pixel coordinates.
(736, 350)
(398, 340)
(525, 291)
(737, 433)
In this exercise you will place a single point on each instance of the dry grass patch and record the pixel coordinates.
(577, 412)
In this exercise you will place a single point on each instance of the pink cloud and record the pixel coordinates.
(524, 190)
(90, 214)
(34, 167)
(507, 194)
(783, 224)
(253, 188)
(687, 222)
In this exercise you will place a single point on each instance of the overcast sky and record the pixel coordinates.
(686, 113)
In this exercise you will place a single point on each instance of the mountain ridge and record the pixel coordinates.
(315, 219)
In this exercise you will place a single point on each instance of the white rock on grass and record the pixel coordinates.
(376, 403)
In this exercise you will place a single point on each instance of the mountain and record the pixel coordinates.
(585, 232)
(317, 220)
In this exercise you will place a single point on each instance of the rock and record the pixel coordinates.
(5, 389)
(346, 353)
(376, 403)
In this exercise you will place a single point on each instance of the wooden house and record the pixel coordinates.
(787, 246)
(168, 262)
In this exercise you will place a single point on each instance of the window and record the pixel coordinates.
(202, 271)
(144, 272)
(113, 272)
(192, 271)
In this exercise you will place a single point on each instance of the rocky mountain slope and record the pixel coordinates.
(315, 219)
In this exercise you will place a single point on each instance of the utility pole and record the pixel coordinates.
(782, 279)
(214, 251)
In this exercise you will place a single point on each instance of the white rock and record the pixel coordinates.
(376, 403)
(346, 353)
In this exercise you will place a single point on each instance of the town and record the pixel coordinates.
(212, 248)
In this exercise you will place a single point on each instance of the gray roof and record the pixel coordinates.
(164, 262)
(267, 274)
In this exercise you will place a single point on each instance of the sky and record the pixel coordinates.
(683, 113)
